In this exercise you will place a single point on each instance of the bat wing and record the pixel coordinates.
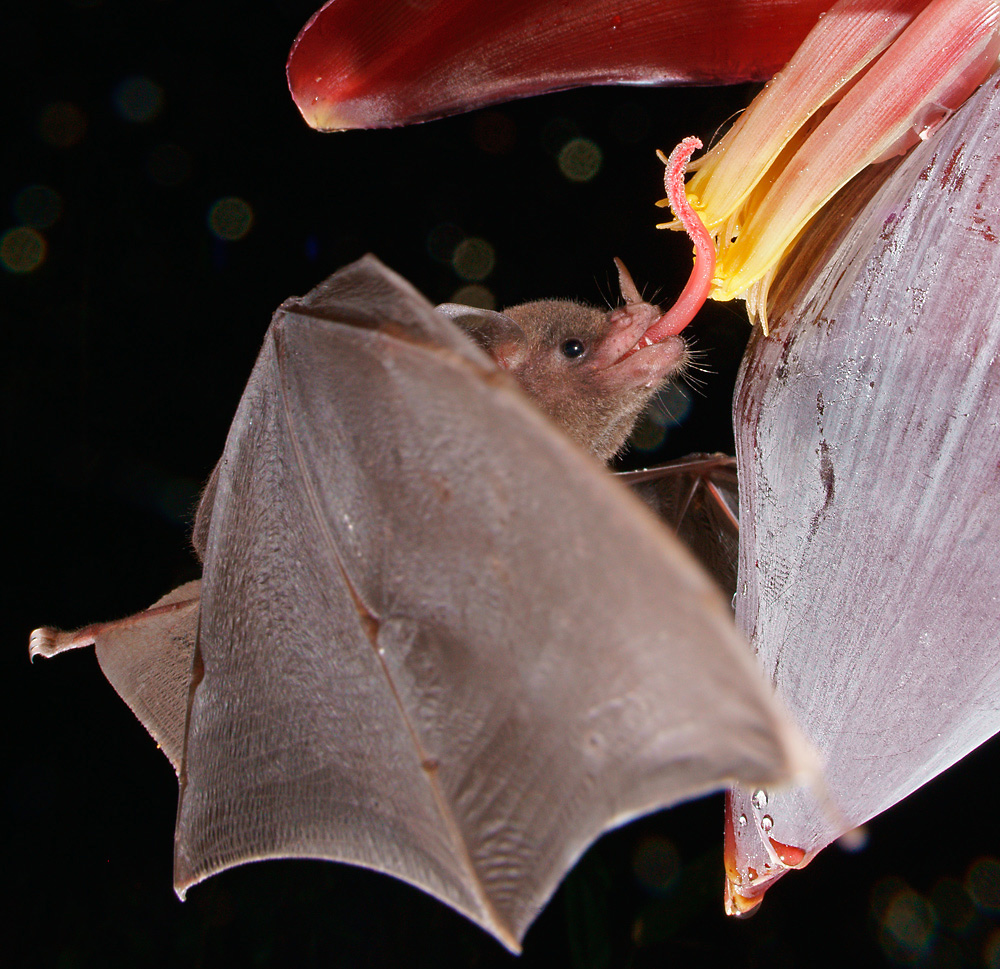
(869, 457)
(436, 639)
(697, 496)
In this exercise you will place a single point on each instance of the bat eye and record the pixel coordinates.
(573, 348)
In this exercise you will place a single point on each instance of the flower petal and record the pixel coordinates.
(781, 166)
(844, 42)
(869, 474)
(362, 64)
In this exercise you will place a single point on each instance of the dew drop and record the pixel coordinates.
(766, 823)
(788, 855)
(760, 799)
(743, 820)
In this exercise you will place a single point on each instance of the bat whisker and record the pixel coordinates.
(695, 363)
(606, 292)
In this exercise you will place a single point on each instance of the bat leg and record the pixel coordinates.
(146, 657)
(47, 641)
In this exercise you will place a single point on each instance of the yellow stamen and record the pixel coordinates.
(864, 86)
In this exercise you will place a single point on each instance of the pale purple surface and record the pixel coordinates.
(870, 491)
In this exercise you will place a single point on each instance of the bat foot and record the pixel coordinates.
(48, 641)
(43, 642)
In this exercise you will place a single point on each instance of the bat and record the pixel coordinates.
(433, 636)
(592, 395)
(592, 372)
(698, 498)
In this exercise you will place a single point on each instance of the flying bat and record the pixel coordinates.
(433, 636)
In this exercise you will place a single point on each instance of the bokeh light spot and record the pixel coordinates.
(38, 206)
(494, 132)
(168, 165)
(952, 905)
(473, 259)
(475, 294)
(62, 124)
(580, 159)
(138, 99)
(655, 863)
(647, 435)
(22, 250)
(668, 409)
(230, 218)
(983, 883)
(907, 930)
(854, 840)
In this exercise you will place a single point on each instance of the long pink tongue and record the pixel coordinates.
(699, 282)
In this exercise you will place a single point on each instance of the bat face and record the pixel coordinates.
(591, 371)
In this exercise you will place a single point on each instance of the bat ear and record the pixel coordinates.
(630, 292)
(497, 334)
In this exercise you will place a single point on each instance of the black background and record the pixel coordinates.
(125, 353)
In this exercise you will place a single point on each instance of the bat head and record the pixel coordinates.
(591, 371)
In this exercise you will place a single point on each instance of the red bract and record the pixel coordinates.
(359, 64)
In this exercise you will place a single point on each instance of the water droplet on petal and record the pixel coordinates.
(767, 822)
(760, 799)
